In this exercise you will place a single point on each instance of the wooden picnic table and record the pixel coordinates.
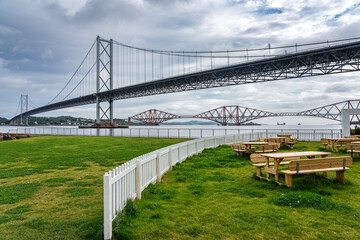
(284, 135)
(278, 157)
(340, 141)
(352, 136)
(248, 145)
(281, 140)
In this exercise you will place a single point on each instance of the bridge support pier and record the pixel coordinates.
(345, 120)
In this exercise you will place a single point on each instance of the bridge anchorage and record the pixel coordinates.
(114, 71)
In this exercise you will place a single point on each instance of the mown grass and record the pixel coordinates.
(51, 187)
(215, 195)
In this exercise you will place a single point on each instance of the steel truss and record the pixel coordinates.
(154, 117)
(233, 115)
(323, 61)
(236, 115)
(333, 111)
(104, 79)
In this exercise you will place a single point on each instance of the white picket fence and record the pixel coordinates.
(128, 180)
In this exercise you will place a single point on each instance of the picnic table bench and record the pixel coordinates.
(238, 148)
(324, 165)
(292, 142)
(284, 135)
(279, 157)
(342, 141)
(325, 142)
(246, 147)
(260, 163)
(353, 148)
(267, 148)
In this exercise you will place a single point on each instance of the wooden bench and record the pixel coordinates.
(238, 148)
(325, 142)
(324, 165)
(276, 144)
(267, 148)
(260, 162)
(353, 149)
(292, 142)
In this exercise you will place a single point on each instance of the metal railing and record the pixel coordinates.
(154, 132)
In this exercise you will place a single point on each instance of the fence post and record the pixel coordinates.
(158, 170)
(107, 207)
(138, 178)
(187, 149)
(332, 134)
(314, 136)
(170, 159)
(267, 133)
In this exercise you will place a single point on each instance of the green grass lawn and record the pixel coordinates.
(51, 187)
(215, 195)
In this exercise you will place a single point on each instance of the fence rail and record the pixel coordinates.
(301, 134)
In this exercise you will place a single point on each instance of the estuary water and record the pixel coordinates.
(243, 128)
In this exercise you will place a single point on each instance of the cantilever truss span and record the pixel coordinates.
(236, 115)
(154, 117)
(336, 59)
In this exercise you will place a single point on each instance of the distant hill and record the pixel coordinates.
(3, 120)
(62, 120)
(193, 122)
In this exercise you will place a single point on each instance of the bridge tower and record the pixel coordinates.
(104, 79)
(24, 108)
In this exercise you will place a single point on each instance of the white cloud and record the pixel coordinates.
(14, 82)
(6, 30)
(47, 54)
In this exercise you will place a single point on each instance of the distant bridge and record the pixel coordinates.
(236, 115)
(113, 71)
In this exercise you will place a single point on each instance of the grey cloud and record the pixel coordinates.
(38, 26)
(339, 88)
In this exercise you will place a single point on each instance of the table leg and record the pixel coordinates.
(267, 166)
(276, 167)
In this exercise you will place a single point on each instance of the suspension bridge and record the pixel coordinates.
(113, 71)
(236, 115)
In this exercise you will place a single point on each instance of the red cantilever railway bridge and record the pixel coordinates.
(236, 115)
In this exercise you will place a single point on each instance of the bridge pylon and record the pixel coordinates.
(24, 108)
(104, 79)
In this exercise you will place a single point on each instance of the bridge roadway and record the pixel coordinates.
(340, 58)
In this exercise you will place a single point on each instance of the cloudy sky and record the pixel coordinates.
(43, 41)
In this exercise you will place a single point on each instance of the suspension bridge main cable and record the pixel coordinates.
(74, 72)
(183, 53)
